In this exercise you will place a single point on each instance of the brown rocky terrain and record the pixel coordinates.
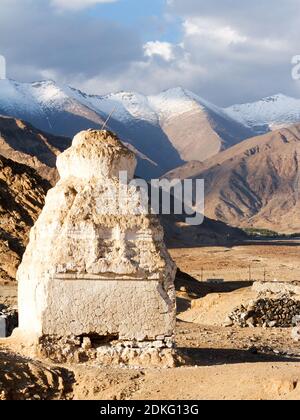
(202, 133)
(224, 367)
(224, 362)
(21, 142)
(22, 194)
(255, 183)
(221, 362)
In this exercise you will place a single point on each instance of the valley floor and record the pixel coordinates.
(255, 261)
(224, 363)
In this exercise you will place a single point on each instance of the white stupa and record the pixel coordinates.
(94, 272)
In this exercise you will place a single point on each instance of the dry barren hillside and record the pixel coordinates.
(255, 183)
(196, 128)
(22, 193)
(23, 143)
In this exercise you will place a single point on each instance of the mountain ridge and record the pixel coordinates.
(169, 128)
(255, 184)
(268, 114)
(25, 144)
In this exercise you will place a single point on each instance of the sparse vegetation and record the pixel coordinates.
(266, 233)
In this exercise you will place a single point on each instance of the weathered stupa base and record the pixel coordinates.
(74, 350)
(104, 352)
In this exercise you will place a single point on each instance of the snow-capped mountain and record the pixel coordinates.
(167, 129)
(45, 105)
(62, 110)
(270, 113)
(196, 128)
(177, 101)
(126, 106)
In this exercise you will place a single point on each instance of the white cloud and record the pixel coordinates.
(77, 4)
(162, 49)
(151, 76)
(209, 29)
(225, 50)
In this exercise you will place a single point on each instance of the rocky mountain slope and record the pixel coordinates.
(22, 193)
(168, 128)
(23, 143)
(255, 183)
(196, 128)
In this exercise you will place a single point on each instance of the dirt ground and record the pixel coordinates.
(223, 363)
(273, 260)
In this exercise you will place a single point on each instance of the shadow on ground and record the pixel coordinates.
(198, 289)
(21, 379)
(213, 357)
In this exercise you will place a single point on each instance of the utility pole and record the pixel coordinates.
(2, 67)
(108, 118)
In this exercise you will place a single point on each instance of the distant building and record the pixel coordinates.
(2, 67)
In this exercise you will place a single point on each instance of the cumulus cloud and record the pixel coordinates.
(161, 49)
(227, 51)
(245, 48)
(66, 46)
(165, 51)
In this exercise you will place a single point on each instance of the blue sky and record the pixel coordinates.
(148, 13)
(129, 11)
(227, 51)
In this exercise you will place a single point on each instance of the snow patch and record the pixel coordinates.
(274, 111)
